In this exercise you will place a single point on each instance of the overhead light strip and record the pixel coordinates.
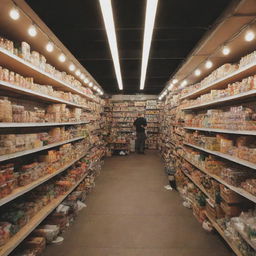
(148, 32)
(107, 12)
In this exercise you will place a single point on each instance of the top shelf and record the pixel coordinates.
(239, 74)
(17, 64)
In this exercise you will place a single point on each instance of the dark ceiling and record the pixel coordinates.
(179, 26)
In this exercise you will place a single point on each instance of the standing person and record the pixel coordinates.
(140, 123)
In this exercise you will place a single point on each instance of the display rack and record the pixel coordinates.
(188, 126)
(9, 60)
(78, 140)
(34, 222)
(32, 151)
(225, 156)
(241, 73)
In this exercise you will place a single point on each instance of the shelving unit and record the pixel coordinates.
(239, 191)
(22, 125)
(225, 156)
(24, 189)
(239, 107)
(239, 74)
(221, 232)
(242, 132)
(229, 99)
(42, 97)
(31, 151)
(13, 62)
(34, 222)
(199, 186)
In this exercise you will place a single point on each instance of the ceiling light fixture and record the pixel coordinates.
(62, 58)
(78, 72)
(183, 84)
(249, 36)
(197, 72)
(14, 14)
(107, 12)
(32, 31)
(49, 47)
(175, 81)
(72, 67)
(226, 50)
(170, 87)
(82, 76)
(208, 64)
(148, 32)
(86, 80)
(91, 84)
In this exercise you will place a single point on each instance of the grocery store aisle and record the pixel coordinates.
(129, 213)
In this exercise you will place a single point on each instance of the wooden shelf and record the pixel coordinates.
(24, 189)
(238, 190)
(221, 232)
(225, 156)
(244, 132)
(34, 222)
(19, 65)
(36, 95)
(199, 186)
(238, 75)
(34, 150)
(22, 125)
(241, 96)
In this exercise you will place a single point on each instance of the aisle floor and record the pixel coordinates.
(130, 213)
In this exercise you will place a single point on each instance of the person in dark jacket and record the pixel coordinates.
(140, 123)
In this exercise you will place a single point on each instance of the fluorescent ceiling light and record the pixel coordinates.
(107, 12)
(148, 32)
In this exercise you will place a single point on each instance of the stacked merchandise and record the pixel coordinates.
(124, 114)
(50, 150)
(213, 150)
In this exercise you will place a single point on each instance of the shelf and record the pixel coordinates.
(239, 74)
(36, 95)
(34, 222)
(240, 96)
(244, 132)
(239, 191)
(199, 186)
(221, 232)
(19, 65)
(225, 156)
(245, 237)
(24, 189)
(22, 125)
(34, 150)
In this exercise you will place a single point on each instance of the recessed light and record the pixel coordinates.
(86, 80)
(91, 84)
(208, 64)
(226, 50)
(14, 14)
(183, 84)
(175, 81)
(78, 72)
(32, 31)
(82, 76)
(49, 47)
(62, 57)
(197, 72)
(249, 36)
(72, 67)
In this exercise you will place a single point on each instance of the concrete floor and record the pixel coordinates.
(129, 213)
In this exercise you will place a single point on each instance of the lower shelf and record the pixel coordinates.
(221, 232)
(34, 222)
